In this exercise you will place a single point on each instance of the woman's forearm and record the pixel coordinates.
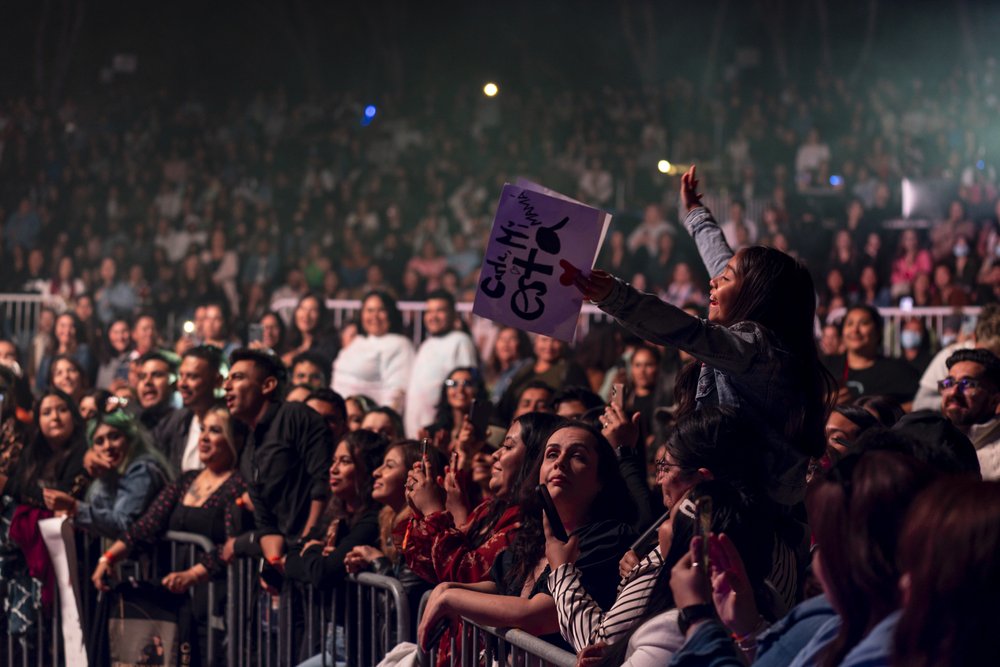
(536, 615)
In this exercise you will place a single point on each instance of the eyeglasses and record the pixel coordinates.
(662, 466)
(459, 383)
(963, 384)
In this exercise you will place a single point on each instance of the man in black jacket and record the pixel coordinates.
(177, 435)
(286, 456)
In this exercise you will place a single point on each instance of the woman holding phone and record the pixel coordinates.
(579, 470)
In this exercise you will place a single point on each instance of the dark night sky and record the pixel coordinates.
(235, 46)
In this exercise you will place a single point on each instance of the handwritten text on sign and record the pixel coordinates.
(519, 284)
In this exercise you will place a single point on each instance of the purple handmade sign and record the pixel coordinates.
(519, 284)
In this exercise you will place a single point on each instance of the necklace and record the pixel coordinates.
(203, 487)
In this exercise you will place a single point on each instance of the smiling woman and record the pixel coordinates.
(580, 471)
(862, 370)
(757, 350)
(378, 363)
(129, 473)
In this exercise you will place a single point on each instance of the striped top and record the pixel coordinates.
(582, 622)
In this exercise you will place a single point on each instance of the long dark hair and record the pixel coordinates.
(443, 416)
(948, 549)
(716, 438)
(39, 458)
(536, 427)
(322, 331)
(856, 512)
(733, 513)
(777, 292)
(366, 449)
(393, 313)
(612, 503)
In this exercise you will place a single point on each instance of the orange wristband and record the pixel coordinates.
(273, 559)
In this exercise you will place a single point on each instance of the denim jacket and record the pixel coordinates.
(744, 366)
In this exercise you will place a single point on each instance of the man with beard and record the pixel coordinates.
(970, 396)
(177, 435)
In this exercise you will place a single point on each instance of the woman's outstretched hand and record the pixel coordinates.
(595, 286)
(689, 189)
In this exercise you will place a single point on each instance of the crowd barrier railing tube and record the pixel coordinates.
(485, 645)
(193, 545)
(264, 630)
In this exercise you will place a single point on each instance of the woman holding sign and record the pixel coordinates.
(756, 348)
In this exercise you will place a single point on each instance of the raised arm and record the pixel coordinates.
(712, 246)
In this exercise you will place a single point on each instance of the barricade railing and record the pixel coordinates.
(933, 319)
(485, 645)
(358, 623)
(43, 646)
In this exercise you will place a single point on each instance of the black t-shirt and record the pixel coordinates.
(894, 378)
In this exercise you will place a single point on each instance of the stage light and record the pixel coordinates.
(836, 181)
(491, 89)
(663, 166)
(370, 111)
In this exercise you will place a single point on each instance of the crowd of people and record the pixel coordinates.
(686, 486)
(132, 201)
(720, 486)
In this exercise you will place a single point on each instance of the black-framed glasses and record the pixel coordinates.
(962, 384)
(662, 465)
(450, 383)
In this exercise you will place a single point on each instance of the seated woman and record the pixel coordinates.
(199, 502)
(655, 630)
(707, 445)
(578, 468)
(862, 370)
(441, 548)
(129, 473)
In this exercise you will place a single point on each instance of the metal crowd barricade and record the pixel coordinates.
(267, 630)
(484, 645)
(185, 548)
